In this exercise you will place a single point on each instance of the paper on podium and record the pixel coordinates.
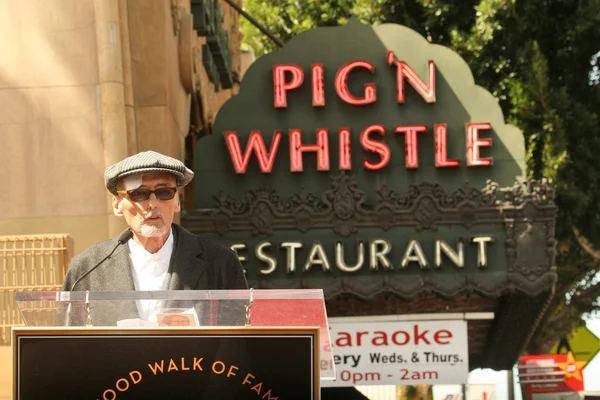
(167, 317)
(178, 317)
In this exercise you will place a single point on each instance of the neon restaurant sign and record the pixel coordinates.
(287, 77)
(365, 160)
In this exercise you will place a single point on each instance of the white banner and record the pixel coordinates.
(399, 353)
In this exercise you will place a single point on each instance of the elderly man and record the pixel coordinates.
(154, 253)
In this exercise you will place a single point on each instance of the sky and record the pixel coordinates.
(591, 372)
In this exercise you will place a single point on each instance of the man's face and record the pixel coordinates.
(151, 217)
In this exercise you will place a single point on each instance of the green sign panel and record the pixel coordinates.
(366, 157)
(379, 102)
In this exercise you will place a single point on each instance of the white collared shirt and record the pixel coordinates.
(150, 273)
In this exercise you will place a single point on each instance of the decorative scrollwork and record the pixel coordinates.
(345, 208)
(526, 210)
(540, 192)
(176, 12)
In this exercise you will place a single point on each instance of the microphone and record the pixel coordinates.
(123, 238)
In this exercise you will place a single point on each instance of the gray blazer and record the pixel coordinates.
(197, 263)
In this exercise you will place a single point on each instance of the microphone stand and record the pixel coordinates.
(88, 314)
(68, 313)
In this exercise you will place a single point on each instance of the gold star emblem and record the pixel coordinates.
(572, 368)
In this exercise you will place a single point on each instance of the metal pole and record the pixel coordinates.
(510, 380)
(254, 22)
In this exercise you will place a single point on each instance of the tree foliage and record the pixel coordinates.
(541, 60)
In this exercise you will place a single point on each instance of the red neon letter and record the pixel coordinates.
(256, 144)
(280, 86)
(410, 140)
(474, 143)
(345, 162)
(405, 71)
(376, 147)
(441, 148)
(318, 86)
(297, 148)
(341, 84)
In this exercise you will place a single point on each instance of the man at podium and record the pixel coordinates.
(154, 253)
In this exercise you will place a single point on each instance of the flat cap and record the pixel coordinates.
(147, 161)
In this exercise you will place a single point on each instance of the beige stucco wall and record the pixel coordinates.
(157, 103)
(51, 137)
(52, 143)
(83, 84)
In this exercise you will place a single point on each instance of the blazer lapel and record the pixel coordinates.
(122, 277)
(187, 266)
(115, 276)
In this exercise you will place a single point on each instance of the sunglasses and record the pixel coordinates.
(166, 193)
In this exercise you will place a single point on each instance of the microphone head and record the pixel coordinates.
(125, 236)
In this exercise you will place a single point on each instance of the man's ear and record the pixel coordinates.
(116, 202)
(178, 204)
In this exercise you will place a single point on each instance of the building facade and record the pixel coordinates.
(84, 84)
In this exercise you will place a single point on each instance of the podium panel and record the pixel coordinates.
(166, 362)
(201, 308)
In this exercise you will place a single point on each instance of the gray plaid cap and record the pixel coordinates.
(147, 161)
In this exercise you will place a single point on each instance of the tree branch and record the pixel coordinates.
(586, 244)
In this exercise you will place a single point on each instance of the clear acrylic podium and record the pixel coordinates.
(123, 316)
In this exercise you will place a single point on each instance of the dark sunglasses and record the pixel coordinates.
(166, 193)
